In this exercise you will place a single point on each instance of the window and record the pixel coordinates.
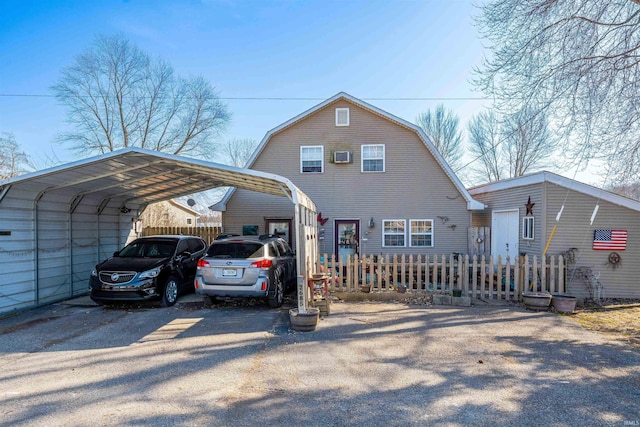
(421, 232)
(249, 230)
(312, 159)
(342, 117)
(393, 232)
(183, 245)
(188, 221)
(196, 245)
(527, 228)
(373, 158)
(273, 250)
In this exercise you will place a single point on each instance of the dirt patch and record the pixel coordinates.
(617, 319)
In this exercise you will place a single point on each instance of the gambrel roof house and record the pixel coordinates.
(379, 184)
(597, 230)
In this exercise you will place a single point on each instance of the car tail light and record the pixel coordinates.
(203, 263)
(195, 283)
(263, 263)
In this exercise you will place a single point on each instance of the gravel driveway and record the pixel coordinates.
(367, 364)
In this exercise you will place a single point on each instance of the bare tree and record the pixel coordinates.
(211, 219)
(631, 190)
(13, 161)
(512, 146)
(441, 127)
(577, 60)
(527, 140)
(158, 215)
(238, 151)
(484, 145)
(118, 96)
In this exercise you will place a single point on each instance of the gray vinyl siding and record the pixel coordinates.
(575, 231)
(413, 186)
(516, 198)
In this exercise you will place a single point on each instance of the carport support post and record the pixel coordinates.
(300, 253)
(302, 295)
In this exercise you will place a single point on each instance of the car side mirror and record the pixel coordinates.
(116, 253)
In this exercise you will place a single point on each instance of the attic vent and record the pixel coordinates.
(342, 117)
(342, 157)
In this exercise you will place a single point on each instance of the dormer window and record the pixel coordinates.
(342, 117)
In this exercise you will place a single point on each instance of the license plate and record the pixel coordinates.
(229, 272)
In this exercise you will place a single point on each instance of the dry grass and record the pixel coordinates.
(617, 319)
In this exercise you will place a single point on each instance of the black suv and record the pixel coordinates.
(149, 268)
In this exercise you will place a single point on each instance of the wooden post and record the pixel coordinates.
(491, 277)
(517, 278)
(465, 275)
(561, 275)
(543, 274)
(394, 276)
(434, 273)
(443, 272)
(498, 281)
(474, 277)
(419, 272)
(552, 279)
(410, 284)
(507, 280)
(483, 276)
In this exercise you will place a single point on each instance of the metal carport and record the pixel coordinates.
(56, 224)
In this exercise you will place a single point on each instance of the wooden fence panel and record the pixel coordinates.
(479, 239)
(474, 276)
(207, 233)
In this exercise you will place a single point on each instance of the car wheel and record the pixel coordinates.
(276, 299)
(170, 292)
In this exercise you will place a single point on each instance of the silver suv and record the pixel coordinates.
(246, 266)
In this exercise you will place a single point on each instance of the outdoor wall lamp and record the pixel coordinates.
(372, 223)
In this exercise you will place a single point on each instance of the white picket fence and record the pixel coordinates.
(476, 277)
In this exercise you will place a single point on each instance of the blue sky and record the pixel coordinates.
(382, 52)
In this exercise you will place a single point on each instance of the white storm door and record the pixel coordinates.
(504, 229)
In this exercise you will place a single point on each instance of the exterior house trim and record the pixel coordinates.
(546, 176)
(472, 204)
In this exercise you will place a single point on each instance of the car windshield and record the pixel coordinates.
(148, 249)
(238, 250)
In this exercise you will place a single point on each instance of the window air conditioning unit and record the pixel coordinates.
(342, 157)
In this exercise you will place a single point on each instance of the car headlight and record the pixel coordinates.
(150, 274)
(94, 273)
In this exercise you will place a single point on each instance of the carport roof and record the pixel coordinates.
(140, 177)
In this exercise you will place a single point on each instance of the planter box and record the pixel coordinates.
(304, 322)
(538, 301)
(564, 303)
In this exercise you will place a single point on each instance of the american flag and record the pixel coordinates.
(610, 240)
